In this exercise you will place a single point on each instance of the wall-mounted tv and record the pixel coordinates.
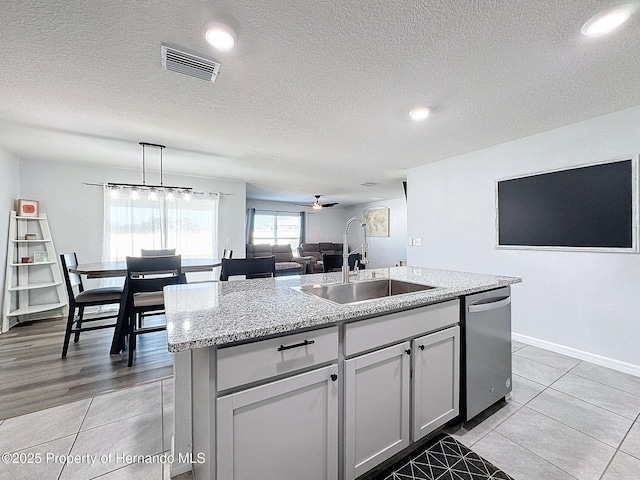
(590, 207)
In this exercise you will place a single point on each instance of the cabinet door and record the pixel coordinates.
(281, 430)
(376, 407)
(436, 380)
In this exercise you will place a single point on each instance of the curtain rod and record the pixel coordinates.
(277, 211)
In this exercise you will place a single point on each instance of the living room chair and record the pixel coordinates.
(79, 298)
(251, 267)
(314, 251)
(157, 253)
(333, 263)
(146, 277)
(286, 263)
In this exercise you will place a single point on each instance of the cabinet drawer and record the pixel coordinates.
(380, 331)
(260, 360)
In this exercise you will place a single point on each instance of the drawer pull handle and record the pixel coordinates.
(334, 377)
(421, 347)
(296, 345)
(408, 350)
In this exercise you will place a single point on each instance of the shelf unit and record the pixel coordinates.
(31, 289)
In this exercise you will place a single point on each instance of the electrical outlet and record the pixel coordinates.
(227, 241)
(417, 242)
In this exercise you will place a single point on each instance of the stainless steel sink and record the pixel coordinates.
(344, 293)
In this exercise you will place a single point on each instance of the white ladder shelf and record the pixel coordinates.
(31, 289)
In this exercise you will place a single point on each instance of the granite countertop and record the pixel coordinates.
(218, 313)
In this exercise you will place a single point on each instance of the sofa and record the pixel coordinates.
(286, 263)
(315, 251)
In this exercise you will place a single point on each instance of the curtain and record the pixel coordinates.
(303, 227)
(159, 220)
(251, 223)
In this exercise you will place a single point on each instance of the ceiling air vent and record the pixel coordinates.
(188, 64)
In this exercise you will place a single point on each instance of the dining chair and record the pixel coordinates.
(153, 253)
(227, 253)
(333, 263)
(79, 298)
(157, 253)
(251, 267)
(146, 277)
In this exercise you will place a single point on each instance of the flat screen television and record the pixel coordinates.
(591, 207)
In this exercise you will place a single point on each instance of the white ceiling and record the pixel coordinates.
(315, 96)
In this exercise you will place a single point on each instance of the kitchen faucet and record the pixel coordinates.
(345, 248)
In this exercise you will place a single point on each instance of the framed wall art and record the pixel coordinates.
(592, 207)
(377, 220)
(28, 208)
(40, 257)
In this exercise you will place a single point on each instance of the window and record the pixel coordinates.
(277, 228)
(159, 221)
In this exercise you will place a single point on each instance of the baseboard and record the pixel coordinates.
(612, 363)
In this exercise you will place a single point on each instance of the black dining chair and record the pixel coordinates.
(227, 253)
(79, 298)
(146, 277)
(251, 267)
(157, 253)
(333, 263)
(153, 253)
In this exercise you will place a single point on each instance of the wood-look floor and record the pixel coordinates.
(34, 377)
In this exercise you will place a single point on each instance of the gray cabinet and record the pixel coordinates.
(284, 429)
(279, 409)
(436, 380)
(376, 407)
(397, 394)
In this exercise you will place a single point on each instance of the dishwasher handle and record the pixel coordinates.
(489, 304)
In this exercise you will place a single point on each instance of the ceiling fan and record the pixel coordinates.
(317, 205)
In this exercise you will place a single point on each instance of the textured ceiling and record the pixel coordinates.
(315, 96)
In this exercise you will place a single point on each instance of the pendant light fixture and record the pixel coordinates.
(147, 190)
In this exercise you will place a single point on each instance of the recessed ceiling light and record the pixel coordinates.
(607, 21)
(419, 113)
(220, 36)
(368, 184)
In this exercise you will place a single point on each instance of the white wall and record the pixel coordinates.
(581, 300)
(9, 192)
(385, 251)
(75, 210)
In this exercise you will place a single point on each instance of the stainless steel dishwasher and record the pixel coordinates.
(486, 376)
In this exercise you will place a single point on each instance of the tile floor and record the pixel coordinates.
(99, 432)
(565, 420)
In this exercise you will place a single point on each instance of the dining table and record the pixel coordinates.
(119, 269)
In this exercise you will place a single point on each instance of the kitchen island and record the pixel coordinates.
(263, 371)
